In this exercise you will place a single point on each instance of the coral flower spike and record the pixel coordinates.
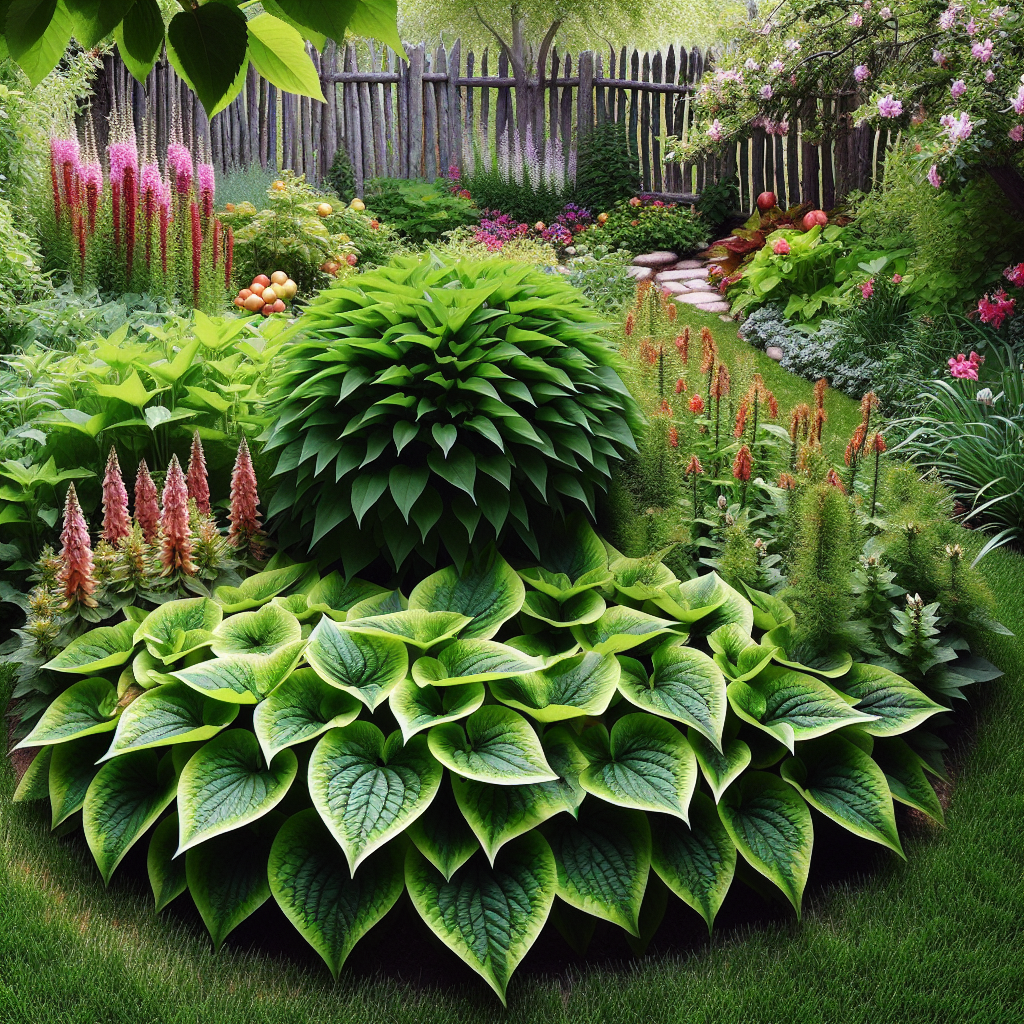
(176, 547)
(196, 478)
(245, 519)
(147, 511)
(116, 523)
(76, 571)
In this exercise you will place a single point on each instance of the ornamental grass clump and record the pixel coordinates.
(431, 407)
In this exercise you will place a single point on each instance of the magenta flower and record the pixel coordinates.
(947, 18)
(1015, 275)
(964, 367)
(715, 132)
(776, 66)
(889, 107)
(861, 73)
(933, 176)
(1018, 101)
(972, 27)
(990, 76)
(1016, 133)
(938, 57)
(885, 13)
(994, 310)
(897, 278)
(957, 128)
(958, 88)
(781, 247)
(122, 156)
(206, 187)
(982, 51)
(867, 289)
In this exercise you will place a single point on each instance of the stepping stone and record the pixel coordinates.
(673, 287)
(774, 352)
(683, 275)
(687, 265)
(700, 299)
(725, 319)
(655, 259)
(639, 273)
(700, 286)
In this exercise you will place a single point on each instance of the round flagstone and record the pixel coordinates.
(654, 259)
(687, 265)
(699, 298)
(700, 286)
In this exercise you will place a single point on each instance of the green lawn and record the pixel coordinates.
(936, 939)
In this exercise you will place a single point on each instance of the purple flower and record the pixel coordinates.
(776, 66)
(861, 73)
(982, 51)
(885, 13)
(958, 88)
(715, 132)
(947, 18)
(856, 19)
(1018, 101)
(957, 128)
(933, 176)
(990, 76)
(752, 65)
(766, 92)
(122, 156)
(972, 27)
(1016, 133)
(792, 45)
(64, 151)
(889, 107)
(938, 57)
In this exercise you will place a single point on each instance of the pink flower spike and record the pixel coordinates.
(245, 529)
(147, 512)
(196, 478)
(933, 176)
(76, 571)
(116, 524)
(176, 549)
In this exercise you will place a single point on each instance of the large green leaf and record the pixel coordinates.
(86, 707)
(330, 908)
(300, 709)
(208, 48)
(646, 763)
(905, 774)
(416, 627)
(225, 898)
(640, 579)
(37, 33)
(842, 781)
(368, 666)
(419, 707)
(573, 688)
(96, 650)
(687, 686)
(696, 861)
(831, 663)
(227, 784)
(166, 873)
(719, 767)
(334, 595)
(488, 916)
(620, 629)
(736, 654)
(260, 632)
(243, 678)
(172, 713)
(693, 600)
(771, 826)
(94, 20)
(278, 53)
(140, 37)
(791, 705)
(34, 784)
(177, 628)
(580, 609)
(72, 769)
(368, 789)
(259, 589)
(473, 661)
(603, 860)
(496, 746)
(127, 795)
(487, 590)
(899, 705)
(442, 834)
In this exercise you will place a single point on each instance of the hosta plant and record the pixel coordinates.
(488, 742)
(432, 405)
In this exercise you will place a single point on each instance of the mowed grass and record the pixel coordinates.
(935, 940)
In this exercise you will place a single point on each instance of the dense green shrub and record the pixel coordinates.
(245, 185)
(607, 167)
(599, 272)
(718, 200)
(19, 262)
(652, 226)
(417, 210)
(432, 405)
(340, 178)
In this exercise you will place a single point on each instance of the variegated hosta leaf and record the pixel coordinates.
(496, 746)
(621, 629)
(687, 686)
(488, 916)
(899, 705)
(34, 784)
(769, 610)
(243, 678)
(831, 664)
(368, 790)
(645, 763)
(575, 560)
(719, 767)
(300, 709)
(127, 795)
(166, 872)
(259, 632)
(640, 579)
(414, 626)
(693, 600)
(72, 769)
(905, 774)
(842, 781)
(177, 628)
(334, 595)
(442, 834)
(383, 603)
(84, 708)
(259, 589)
(736, 654)
(735, 608)
(172, 713)
(418, 707)
(587, 606)
(603, 860)
(583, 685)
(97, 650)
(368, 666)
(148, 671)
(226, 784)
(473, 661)
(330, 908)
(488, 590)
(792, 705)
(696, 861)
(771, 826)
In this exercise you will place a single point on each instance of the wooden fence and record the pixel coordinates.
(415, 118)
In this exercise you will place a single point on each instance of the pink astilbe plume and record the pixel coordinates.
(130, 193)
(151, 193)
(92, 186)
(116, 523)
(198, 484)
(76, 571)
(64, 161)
(245, 519)
(147, 511)
(179, 168)
(206, 186)
(176, 546)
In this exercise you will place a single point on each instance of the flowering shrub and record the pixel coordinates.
(648, 225)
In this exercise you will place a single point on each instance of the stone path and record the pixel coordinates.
(685, 280)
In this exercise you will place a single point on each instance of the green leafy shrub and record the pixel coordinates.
(19, 260)
(599, 272)
(431, 405)
(417, 210)
(718, 200)
(513, 735)
(374, 241)
(245, 185)
(462, 243)
(652, 226)
(607, 167)
(340, 178)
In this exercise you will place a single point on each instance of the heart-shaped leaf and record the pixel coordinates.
(86, 707)
(646, 763)
(140, 37)
(488, 590)
(771, 826)
(367, 665)
(260, 588)
(226, 784)
(603, 860)
(692, 600)
(177, 628)
(127, 795)
(334, 595)
(243, 678)
(488, 916)
(166, 874)
(172, 713)
(419, 707)
(96, 650)
(620, 629)
(792, 705)
(572, 688)
(905, 774)
(301, 708)
(899, 705)
(473, 661)
(72, 769)
(207, 46)
(368, 790)
(278, 53)
(416, 627)
(578, 610)
(842, 781)
(831, 663)
(736, 654)
(769, 610)
(719, 767)
(696, 861)
(496, 746)
(260, 632)
(442, 834)
(330, 908)
(687, 686)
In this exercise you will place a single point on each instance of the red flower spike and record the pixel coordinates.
(693, 467)
(196, 478)
(720, 386)
(116, 523)
(163, 238)
(197, 250)
(696, 405)
(664, 409)
(742, 465)
(878, 444)
(75, 575)
(629, 324)
(245, 519)
(131, 198)
(741, 420)
(147, 511)
(176, 549)
(833, 480)
(229, 257)
(787, 482)
(683, 345)
(216, 243)
(680, 386)
(673, 437)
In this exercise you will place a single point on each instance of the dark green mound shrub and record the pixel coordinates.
(429, 405)
(651, 227)
(417, 210)
(340, 178)
(608, 170)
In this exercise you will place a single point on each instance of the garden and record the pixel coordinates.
(548, 559)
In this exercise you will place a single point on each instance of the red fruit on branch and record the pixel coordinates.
(766, 201)
(116, 524)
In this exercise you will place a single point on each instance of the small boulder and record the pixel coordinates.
(639, 273)
(774, 352)
(655, 259)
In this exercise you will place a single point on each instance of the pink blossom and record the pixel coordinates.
(752, 65)
(766, 92)
(856, 19)
(897, 278)
(715, 132)
(992, 310)
(1016, 133)
(933, 176)
(122, 156)
(64, 151)
(867, 289)
(982, 51)
(971, 27)
(206, 187)
(781, 247)
(990, 77)
(938, 57)
(964, 367)
(957, 128)
(885, 13)
(866, 5)
(776, 66)
(861, 72)
(946, 19)
(1015, 275)
(889, 107)
(958, 88)
(1018, 101)
(793, 46)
